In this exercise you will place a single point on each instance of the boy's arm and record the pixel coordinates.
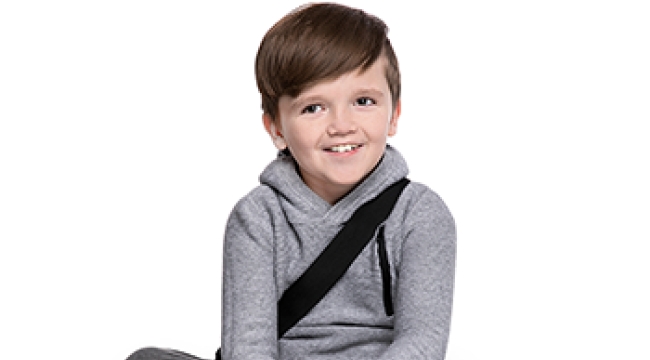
(249, 309)
(423, 299)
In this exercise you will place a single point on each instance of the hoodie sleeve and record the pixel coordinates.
(249, 312)
(425, 281)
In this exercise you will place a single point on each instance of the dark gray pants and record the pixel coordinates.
(152, 353)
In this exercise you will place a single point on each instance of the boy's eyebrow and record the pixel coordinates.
(369, 90)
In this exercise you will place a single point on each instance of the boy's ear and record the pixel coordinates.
(392, 125)
(274, 131)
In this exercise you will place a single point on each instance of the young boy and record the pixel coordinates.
(330, 87)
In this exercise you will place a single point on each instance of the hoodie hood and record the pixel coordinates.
(301, 205)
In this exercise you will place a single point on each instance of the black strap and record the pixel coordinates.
(337, 257)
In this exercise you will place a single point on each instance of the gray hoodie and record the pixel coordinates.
(276, 231)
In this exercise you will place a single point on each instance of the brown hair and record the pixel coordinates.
(320, 42)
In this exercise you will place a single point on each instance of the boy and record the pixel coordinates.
(330, 87)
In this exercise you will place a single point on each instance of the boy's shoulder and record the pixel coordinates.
(260, 199)
(259, 208)
(417, 191)
(419, 201)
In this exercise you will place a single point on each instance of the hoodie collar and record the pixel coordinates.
(302, 205)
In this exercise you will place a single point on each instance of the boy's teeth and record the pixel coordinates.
(343, 148)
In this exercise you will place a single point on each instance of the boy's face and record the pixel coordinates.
(336, 130)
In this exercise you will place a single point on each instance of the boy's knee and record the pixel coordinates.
(148, 353)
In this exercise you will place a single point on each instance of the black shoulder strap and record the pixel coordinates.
(336, 258)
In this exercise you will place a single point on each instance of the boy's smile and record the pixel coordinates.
(336, 130)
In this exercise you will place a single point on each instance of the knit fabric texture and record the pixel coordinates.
(277, 230)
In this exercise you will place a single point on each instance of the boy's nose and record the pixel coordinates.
(341, 123)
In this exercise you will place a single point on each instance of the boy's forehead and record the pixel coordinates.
(359, 79)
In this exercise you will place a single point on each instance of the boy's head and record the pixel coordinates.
(330, 87)
(320, 42)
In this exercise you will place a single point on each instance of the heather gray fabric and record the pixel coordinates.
(277, 230)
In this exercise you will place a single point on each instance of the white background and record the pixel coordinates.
(129, 129)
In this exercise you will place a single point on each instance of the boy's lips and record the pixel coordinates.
(343, 148)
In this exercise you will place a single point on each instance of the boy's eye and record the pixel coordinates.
(311, 109)
(365, 101)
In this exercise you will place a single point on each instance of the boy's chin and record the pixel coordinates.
(348, 180)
